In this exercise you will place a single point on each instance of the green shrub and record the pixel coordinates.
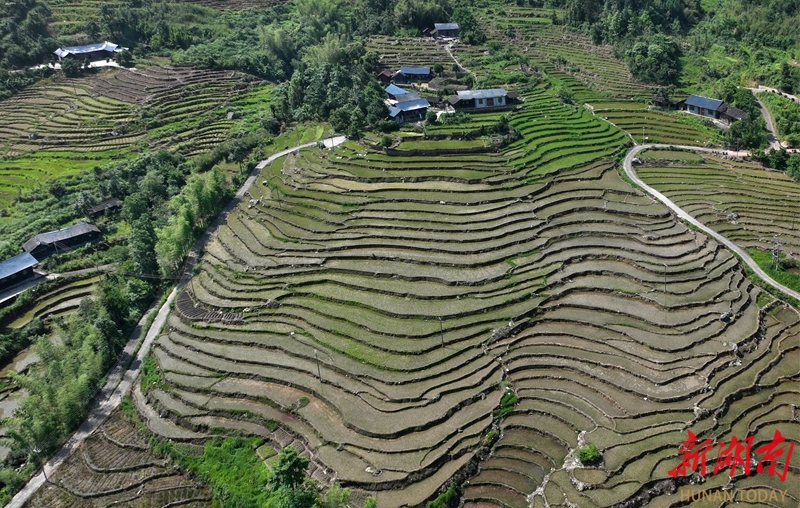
(589, 455)
(447, 499)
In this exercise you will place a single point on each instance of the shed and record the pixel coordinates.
(488, 98)
(15, 270)
(385, 76)
(99, 51)
(730, 114)
(101, 208)
(445, 30)
(51, 242)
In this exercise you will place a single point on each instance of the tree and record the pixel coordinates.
(71, 67)
(438, 68)
(124, 58)
(469, 30)
(142, 243)
(655, 60)
(289, 471)
(430, 117)
(336, 497)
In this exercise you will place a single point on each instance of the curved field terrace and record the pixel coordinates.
(376, 308)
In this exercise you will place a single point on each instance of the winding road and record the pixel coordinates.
(628, 165)
(124, 373)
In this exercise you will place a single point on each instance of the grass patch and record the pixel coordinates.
(231, 467)
(764, 260)
(151, 377)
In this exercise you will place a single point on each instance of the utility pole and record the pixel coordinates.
(642, 134)
(441, 331)
(665, 284)
(319, 372)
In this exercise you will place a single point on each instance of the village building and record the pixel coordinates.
(412, 75)
(729, 114)
(53, 242)
(101, 208)
(395, 91)
(445, 30)
(385, 76)
(412, 110)
(480, 99)
(713, 108)
(99, 51)
(15, 270)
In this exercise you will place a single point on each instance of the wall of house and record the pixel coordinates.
(485, 103)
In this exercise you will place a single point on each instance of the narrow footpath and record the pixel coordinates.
(125, 372)
(628, 165)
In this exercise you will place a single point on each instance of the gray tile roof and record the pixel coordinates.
(60, 235)
(16, 264)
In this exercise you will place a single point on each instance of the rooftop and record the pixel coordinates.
(482, 94)
(16, 264)
(89, 48)
(408, 106)
(445, 26)
(703, 102)
(60, 235)
(732, 112)
(395, 90)
(408, 97)
(424, 71)
(105, 205)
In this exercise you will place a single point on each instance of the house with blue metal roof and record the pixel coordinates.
(703, 106)
(445, 30)
(395, 91)
(15, 270)
(409, 111)
(713, 108)
(412, 74)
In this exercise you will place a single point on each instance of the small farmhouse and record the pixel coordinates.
(445, 30)
(713, 108)
(412, 75)
(409, 110)
(478, 99)
(99, 51)
(15, 270)
(44, 244)
(101, 208)
(385, 76)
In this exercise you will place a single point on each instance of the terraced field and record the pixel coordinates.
(653, 126)
(745, 202)
(57, 129)
(409, 51)
(383, 306)
(113, 467)
(562, 52)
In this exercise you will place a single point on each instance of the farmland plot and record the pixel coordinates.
(753, 206)
(384, 304)
(113, 468)
(60, 128)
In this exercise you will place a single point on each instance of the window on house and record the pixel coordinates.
(480, 101)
